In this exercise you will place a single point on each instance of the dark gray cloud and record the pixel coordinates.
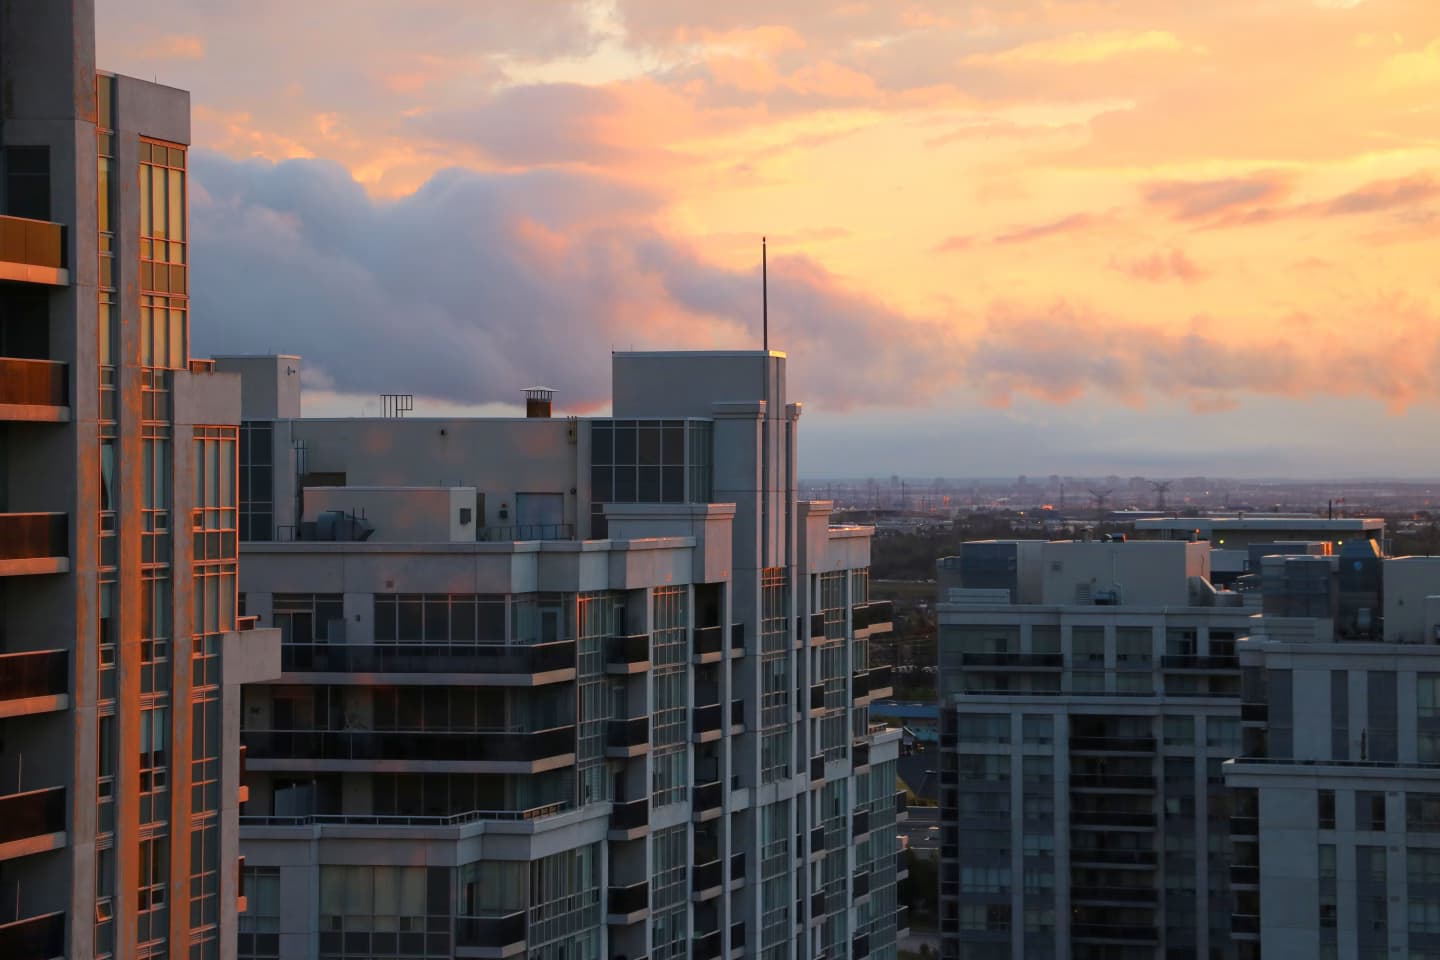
(480, 284)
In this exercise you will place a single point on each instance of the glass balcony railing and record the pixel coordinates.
(33, 938)
(707, 718)
(34, 243)
(34, 536)
(707, 796)
(629, 816)
(629, 899)
(504, 659)
(40, 383)
(36, 673)
(627, 650)
(623, 734)
(453, 746)
(35, 813)
(709, 640)
(504, 933)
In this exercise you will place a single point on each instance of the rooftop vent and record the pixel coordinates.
(537, 402)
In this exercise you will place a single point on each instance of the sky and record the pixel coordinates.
(1025, 236)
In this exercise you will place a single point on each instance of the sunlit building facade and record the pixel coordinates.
(120, 649)
(573, 688)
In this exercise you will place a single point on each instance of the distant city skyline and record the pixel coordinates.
(1127, 237)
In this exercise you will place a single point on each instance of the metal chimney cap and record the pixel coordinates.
(539, 393)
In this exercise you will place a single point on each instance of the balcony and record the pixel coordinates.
(35, 390)
(32, 822)
(860, 884)
(902, 922)
(1112, 818)
(509, 664)
(817, 905)
(877, 613)
(817, 768)
(1204, 664)
(1112, 744)
(1114, 858)
(33, 251)
(880, 682)
(707, 947)
(1116, 782)
(1244, 826)
(860, 824)
(860, 685)
(630, 820)
(1254, 712)
(817, 840)
(1115, 894)
(1244, 923)
(706, 722)
(737, 716)
(861, 946)
(817, 626)
(1112, 931)
(709, 644)
(859, 755)
(1241, 876)
(1013, 661)
(737, 868)
(737, 639)
(36, 681)
(706, 800)
(706, 878)
(627, 738)
(629, 903)
(504, 935)
(34, 938)
(817, 698)
(361, 749)
(737, 936)
(32, 543)
(627, 654)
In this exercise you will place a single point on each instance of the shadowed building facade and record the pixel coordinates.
(120, 657)
(561, 687)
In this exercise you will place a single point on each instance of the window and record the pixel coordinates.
(1422, 812)
(650, 461)
(259, 925)
(27, 182)
(1179, 731)
(257, 480)
(1327, 861)
(1038, 729)
(983, 728)
(1369, 810)
(1325, 809)
(307, 617)
(988, 917)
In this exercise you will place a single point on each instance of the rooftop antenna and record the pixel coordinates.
(1100, 496)
(1161, 486)
(765, 293)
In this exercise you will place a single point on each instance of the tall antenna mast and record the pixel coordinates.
(765, 293)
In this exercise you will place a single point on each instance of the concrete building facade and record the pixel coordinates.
(1337, 790)
(559, 687)
(1089, 692)
(121, 653)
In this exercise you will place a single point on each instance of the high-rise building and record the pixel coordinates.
(119, 652)
(1089, 693)
(574, 688)
(1337, 792)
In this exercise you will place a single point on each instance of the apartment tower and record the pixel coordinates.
(119, 652)
(1089, 693)
(560, 687)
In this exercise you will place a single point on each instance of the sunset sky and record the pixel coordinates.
(1153, 236)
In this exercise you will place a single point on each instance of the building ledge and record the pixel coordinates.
(32, 705)
(34, 413)
(34, 566)
(32, 845)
